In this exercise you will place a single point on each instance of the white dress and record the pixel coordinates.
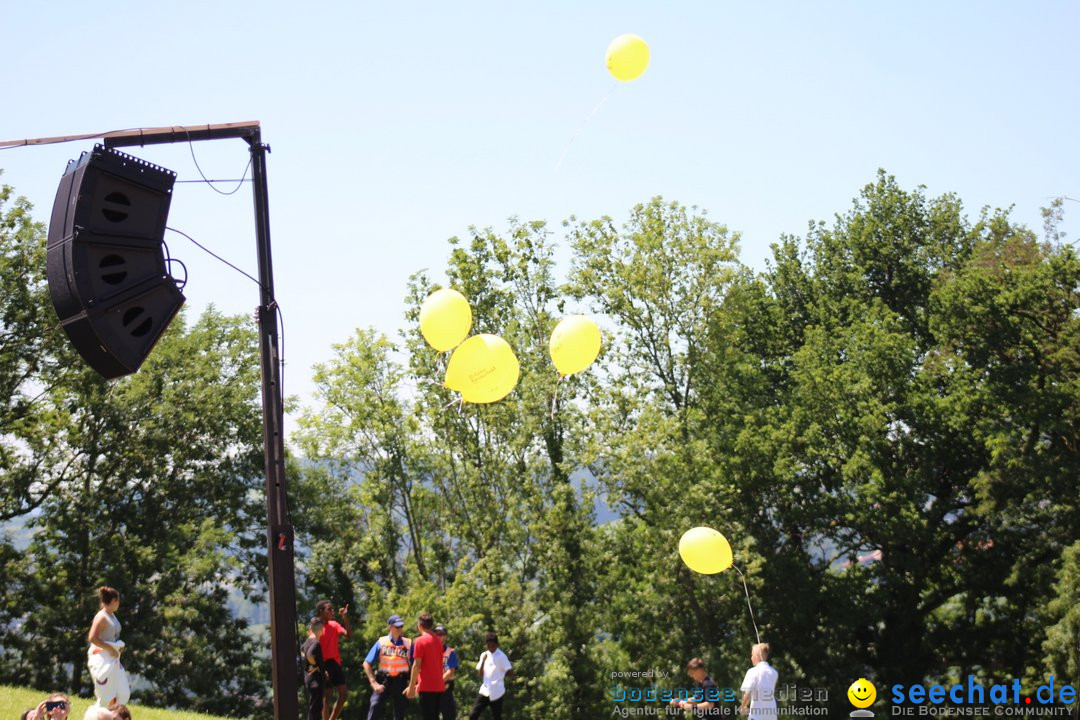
(110, 679)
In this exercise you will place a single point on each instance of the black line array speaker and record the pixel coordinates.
(106, 261)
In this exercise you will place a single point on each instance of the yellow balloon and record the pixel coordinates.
(445, 319)
(627, 57)
(705, 550)
(483, 369)
(574, 344)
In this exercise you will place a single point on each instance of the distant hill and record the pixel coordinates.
(17, 533)
(256, 613)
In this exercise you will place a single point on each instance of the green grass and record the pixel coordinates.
(14, 700)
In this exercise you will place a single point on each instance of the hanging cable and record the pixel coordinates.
(274, 304)
(210, 252)
(208, 181)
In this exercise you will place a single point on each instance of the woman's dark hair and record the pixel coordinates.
(107, 594)
(122, 712)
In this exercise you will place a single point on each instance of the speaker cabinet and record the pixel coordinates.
(106, 261)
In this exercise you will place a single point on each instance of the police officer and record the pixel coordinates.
(387, 669)
(447, 706)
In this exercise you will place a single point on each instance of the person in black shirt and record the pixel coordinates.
(447, 704)
(315, 676)
(706, 694)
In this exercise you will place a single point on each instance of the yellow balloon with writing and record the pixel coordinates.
(705, 550)
(574, 344)
(484, 369)
(445, 319)
(627, 57)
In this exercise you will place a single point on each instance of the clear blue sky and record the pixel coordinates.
(394, 126)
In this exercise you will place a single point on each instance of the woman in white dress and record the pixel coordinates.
(103, 656)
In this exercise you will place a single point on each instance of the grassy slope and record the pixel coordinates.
(14, 700)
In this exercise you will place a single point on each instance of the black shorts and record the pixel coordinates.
(337, 675)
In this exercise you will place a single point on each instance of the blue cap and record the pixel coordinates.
(396, 621)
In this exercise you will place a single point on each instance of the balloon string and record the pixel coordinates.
(745, 590)
(582, 126)
(555, 399)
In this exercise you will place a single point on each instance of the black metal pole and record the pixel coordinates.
(283, 645)
(279, 529)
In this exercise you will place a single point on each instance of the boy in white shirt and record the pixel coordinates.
(759, 686)
(494, 666)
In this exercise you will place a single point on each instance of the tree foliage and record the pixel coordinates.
(883, 421)
(148, 484)
(470, 512)
(28, 334)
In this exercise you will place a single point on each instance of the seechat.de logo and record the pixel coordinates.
(972, 698)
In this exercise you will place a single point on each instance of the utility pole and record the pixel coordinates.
(279, 529)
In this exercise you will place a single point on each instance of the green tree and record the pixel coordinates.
(28, 334)
(660, 281)
(470, 512)
(1062, 644)
(160, 499)
(1009, 330)
(899, 392)
(883, 423)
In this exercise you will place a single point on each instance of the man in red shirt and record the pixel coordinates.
(427, 669)
(332, 629)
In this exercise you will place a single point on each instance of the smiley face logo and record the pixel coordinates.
(862, 693)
